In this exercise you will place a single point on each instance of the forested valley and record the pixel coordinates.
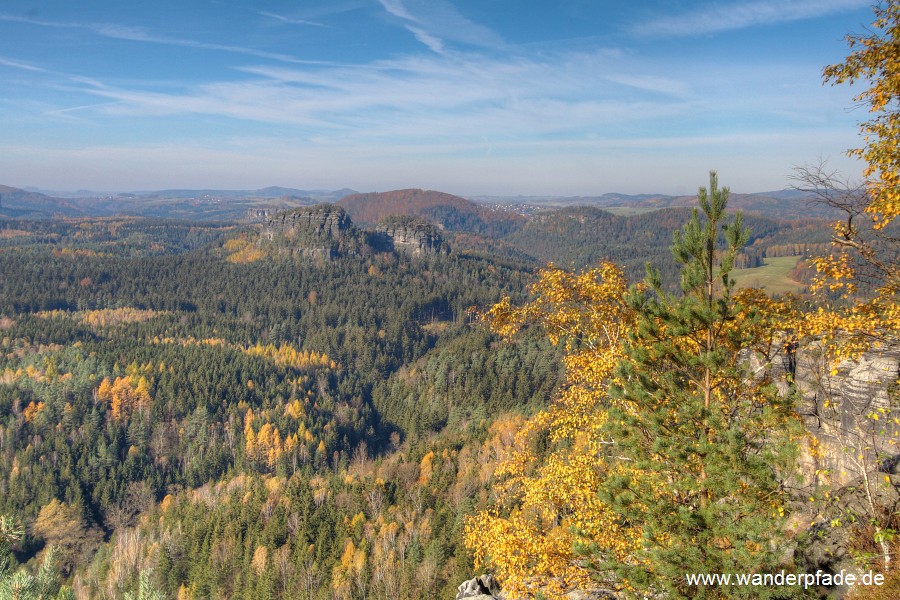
(250, 430)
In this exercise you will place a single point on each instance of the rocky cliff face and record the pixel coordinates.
(850, 410)
(321, 231)
(411, 235)
(837, 404)
(483, 587)
(326, 231)
(260, 215)
(319, 221)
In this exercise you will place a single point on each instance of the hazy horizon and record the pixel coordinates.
(85, 193)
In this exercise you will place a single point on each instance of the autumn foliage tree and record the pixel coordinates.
(125, 395)
(547, 501)
(866, 246)
(873, 59)
(63, 527)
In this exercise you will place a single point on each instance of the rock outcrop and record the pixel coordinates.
(326, 231)
(838, 405)
(483, 587)
(319, 221)
(411, 235)
(260, 215)
(849, 411)
(320, 231)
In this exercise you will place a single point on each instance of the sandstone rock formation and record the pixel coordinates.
(320, 231)
(260, 215)
(412, 235)
(483, 587)
(838, 405)
(326, 231)
(321, 220)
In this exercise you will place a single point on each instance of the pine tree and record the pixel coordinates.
(703, 444)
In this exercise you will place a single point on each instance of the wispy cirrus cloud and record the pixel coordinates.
(436, 22)
(729, 16)
(396, 8)
(16, 64)
(416, 96)
(653, 83)
(434, 43)
(290, 20)
(140, 34)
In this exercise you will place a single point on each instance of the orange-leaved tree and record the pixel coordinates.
(866, 241)
(874, 59)
(864, 265)
(546, 501)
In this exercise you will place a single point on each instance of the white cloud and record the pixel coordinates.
(139, 34)
(435, 44)
(654, 84)
(719, 17)
(15, 64)
(466, 112)
(417, 96)
(291, 20)
(445, 99)
(436, 22)
(396, 8)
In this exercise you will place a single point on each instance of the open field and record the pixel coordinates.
(772, 276)
(627, 211)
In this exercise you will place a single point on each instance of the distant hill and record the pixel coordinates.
(445, 210)
(263, 193)
(18, 203)
(579, 236)
(202, 205)
(780, 204)
(373, 207)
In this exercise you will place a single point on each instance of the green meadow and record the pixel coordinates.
(772, 276)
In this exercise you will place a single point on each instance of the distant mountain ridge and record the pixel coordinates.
(18, 203)
(186, 204)
(266, 192)
(482, 215)
(784, 204)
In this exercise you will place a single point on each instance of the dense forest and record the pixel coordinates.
(212, 420)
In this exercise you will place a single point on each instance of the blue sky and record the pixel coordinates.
(498, 97)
